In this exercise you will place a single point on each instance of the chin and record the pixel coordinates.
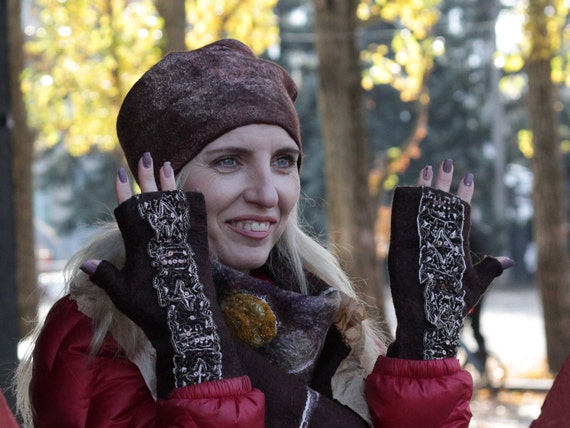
(245, 265)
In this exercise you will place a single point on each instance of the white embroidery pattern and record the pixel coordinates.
(310, 405)
(197, 354)
(442, 264)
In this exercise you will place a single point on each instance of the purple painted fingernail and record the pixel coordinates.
(507, 263)
(122, 175)
(427, 172)
(147, 160)
(468, 179)
(167, 169)
(88, 267)
(447, 165)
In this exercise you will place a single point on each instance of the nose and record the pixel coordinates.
(261, 189)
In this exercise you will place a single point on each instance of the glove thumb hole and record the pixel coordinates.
(104, 275)
(488, 269)
(478, 281)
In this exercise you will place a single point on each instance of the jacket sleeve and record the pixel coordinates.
(72, 389)
(555, 412)
(7, 419)
(412, 393)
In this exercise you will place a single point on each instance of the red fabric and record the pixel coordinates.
(555, 410)
(410, 393)
(7, 419)
(70, 390)
(209, 404)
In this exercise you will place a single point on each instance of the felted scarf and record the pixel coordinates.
(286, 327)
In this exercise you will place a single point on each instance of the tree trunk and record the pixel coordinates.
(350, 212)
(549, 195)
(9, 333)
(22, 159)
(174, 14)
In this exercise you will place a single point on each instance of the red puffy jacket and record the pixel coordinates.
(70, 389)
(7, 419)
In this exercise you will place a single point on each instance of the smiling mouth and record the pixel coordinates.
(251, 226)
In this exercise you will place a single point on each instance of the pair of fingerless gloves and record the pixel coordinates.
(166, 285)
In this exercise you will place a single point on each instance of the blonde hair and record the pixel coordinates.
(301, 252)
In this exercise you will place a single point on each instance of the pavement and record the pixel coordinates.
(513, 326)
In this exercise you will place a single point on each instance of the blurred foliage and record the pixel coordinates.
(547, 45)
(553, 45)
(401, 56)
(82, 56)
(408, 56)
(251, 21)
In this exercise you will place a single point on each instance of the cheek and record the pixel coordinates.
(213, 196)
(289, 196)
(213, 192)
(215, 204)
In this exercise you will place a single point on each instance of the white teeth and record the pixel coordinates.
(252, 226)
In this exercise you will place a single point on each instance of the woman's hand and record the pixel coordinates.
(433, 281)
(464, 190)
(147, 181)
(165, 285)
(444, 179)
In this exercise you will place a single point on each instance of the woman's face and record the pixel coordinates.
(250, 181)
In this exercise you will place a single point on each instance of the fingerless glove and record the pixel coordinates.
(433, 281)
(166, 288)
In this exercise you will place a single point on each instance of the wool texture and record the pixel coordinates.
(408, 293)
(189, 99)
(168, 270)
(300, 321)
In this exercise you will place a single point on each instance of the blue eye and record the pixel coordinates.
(226, 162)
(285, 161)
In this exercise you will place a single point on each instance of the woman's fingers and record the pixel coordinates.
(444, 176)
(90, 266)
(147, 182)
(122, 186)
(444, 179)
(505, 262)
(466, 188)
(167, 181)
(426, 176)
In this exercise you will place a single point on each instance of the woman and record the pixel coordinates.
(212, 307)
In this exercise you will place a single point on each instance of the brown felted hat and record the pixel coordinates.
(189, 99)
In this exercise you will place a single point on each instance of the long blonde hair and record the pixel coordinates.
(302, 252)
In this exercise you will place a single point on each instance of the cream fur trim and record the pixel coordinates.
(145, 359)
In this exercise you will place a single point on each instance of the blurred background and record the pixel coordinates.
(385, 87)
